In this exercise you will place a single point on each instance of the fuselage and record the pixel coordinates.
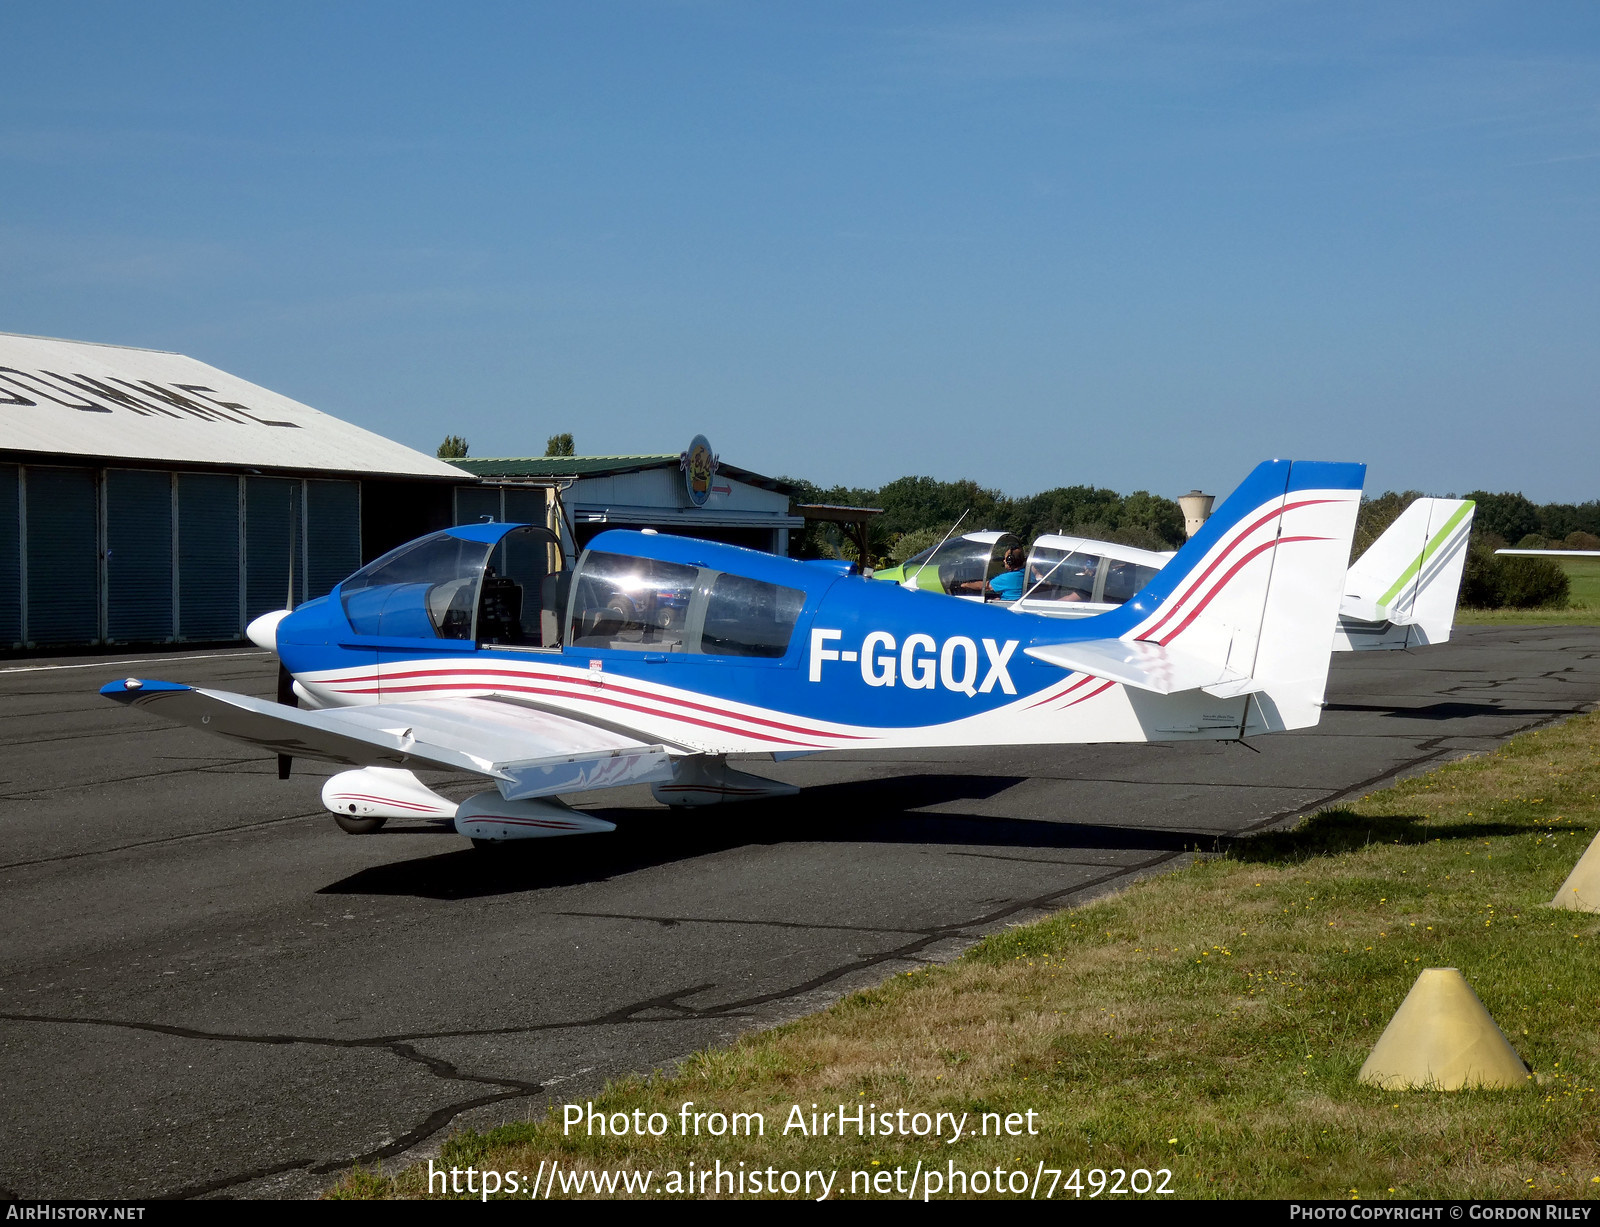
(726, 650)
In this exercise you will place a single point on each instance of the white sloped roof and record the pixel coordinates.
(83, 399)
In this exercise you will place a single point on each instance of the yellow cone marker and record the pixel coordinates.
(1441, 1038)
(1581, 891)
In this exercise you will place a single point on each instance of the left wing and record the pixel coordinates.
(526, 751)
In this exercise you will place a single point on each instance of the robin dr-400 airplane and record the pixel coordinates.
(656, 657)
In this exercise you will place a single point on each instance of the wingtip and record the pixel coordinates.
(130, 689)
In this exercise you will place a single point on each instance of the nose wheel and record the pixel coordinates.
(351, 825)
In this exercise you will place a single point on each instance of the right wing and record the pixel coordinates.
(526, 751)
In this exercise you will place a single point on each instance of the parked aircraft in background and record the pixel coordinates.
(969, 558)
(657, 657)
(1401, 593)
(1077, 577)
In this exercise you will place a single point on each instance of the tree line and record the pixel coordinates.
(919, 511)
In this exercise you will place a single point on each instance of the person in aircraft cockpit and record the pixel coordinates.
(1007, 586)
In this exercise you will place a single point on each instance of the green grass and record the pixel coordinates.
(1211, 1022)
(1583, 608)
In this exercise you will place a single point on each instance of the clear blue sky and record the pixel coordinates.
(1133, 245)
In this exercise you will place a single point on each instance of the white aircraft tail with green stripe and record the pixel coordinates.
(1402, 592)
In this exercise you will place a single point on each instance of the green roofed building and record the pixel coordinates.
(691, 493)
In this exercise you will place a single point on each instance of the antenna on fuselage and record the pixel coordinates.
(946, 537)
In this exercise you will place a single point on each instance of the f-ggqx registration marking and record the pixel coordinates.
(920, 663)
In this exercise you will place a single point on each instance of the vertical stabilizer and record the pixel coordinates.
(1247, 607)
(1402, 592)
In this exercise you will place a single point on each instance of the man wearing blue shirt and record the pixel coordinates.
(1007, 586)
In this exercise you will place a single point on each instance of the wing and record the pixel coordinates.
(526, 751)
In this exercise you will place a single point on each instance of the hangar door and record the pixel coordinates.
(316, 524)
(333, 535)
(10, 556)
(271, 522)
(208, 557)
(138, 556)
(63, 555)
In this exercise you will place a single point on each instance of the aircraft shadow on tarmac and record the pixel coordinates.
(1450, 711)
(1337, 831)
(883, 811)
(869, 811)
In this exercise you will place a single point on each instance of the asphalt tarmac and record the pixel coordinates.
(207, 988)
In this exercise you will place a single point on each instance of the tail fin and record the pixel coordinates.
(1246, 607)
(1402, 592)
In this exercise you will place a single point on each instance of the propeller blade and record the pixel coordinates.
(288, 698)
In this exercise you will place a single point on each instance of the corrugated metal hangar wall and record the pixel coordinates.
(121, 555)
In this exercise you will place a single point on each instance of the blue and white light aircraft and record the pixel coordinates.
(657, 657)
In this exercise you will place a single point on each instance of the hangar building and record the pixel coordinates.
(146, 497)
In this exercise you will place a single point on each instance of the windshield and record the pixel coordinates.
(959, 561)
(425, 590)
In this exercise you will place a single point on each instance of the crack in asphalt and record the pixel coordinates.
(164, 839)
(436, 1120)
(75, 735)
(1433, 750)
(403, 1045)
(1032, 860)
(210, 765)
(670, 921)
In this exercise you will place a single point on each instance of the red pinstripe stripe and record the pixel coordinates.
(1051, 698)
(611, 687)
(1218, 560)
(1223, 582)
(359, 796)
(1101, 689)
(599, 697)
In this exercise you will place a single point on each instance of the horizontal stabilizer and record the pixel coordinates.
(1145, 666)
(527, 753)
